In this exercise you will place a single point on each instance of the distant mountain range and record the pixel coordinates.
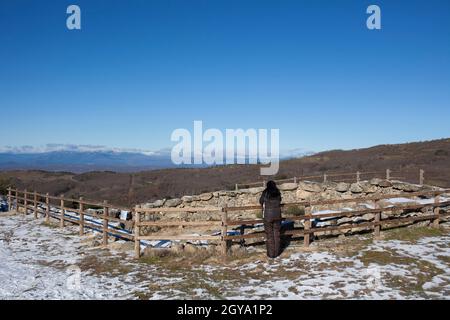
(84, 158)
(76, 161)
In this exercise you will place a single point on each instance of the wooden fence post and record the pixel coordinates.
(105, 222)
(325, 178)
(9, 199)
(224, 242)
(137, 233)
(388, 174)
(61, 220)
(237, 187)
(81, 216)
(17, 201)
(47, 203)
(437, 211)
(358, 176)
(35, 205)
(421, 177)
(25, 203)
(307, 227)
(295, 179)
(377, 228)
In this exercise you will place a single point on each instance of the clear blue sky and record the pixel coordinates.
(140, 69)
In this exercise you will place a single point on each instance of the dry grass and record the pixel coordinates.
(107, 264)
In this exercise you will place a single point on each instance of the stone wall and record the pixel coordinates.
(291, 192)
(297, 192)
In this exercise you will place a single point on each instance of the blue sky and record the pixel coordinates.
(140, 69)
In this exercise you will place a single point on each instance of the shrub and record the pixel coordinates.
(295, 211)
(4, 185)
(259, 214)
(441, 152)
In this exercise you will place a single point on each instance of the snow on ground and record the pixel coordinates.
(38, 261)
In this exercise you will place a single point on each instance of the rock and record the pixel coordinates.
(206, 196)
(330, 185)
(302, 194)
(426, 210)
(171, 203)
(356, 188)
(159, 203)
(405, 187)
(326, 223)
(412, 214)
(368, 217)
(172, 216)
(149, 205)
(359, 229)
(288, 186)
(255, 190)
(344, 220)
(310, 186)
(187, 199)
(368, 188)
(423, 224)
(375, 181)
(342, 187)
(384, 184)
(231, 194)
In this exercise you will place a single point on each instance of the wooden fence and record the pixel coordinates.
(307, 232)
(357, 176)
(378, 222)
(45, 204)
(138, 224)
(57, 208)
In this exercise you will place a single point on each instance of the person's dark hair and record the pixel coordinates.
(272, 189)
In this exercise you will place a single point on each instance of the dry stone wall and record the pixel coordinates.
(291, 192)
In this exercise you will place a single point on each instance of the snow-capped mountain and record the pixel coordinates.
(82, 158)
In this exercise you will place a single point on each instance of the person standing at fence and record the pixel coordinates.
(271, 205)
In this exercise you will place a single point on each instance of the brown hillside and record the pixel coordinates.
(128, 189)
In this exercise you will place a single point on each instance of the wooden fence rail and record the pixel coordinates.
(42, 204)
(139, 224)
(340, 177)
(56, 208)
(377, 211)
(308, 230)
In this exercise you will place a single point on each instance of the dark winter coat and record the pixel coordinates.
(271, 203)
